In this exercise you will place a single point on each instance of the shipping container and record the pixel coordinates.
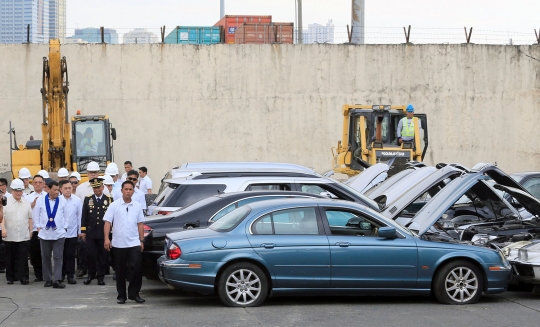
(264, 33)
(194, 35)
(231, 22)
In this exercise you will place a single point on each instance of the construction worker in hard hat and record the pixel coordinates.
(85, 188)
(24, 175)
(405, 129)
(88, 145)
(112, 170)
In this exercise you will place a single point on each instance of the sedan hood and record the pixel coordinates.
(524, 251)
(529, 202)
(369, 177)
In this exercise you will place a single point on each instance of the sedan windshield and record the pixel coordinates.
(230, 220)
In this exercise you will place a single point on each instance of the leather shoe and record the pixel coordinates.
(10, 282)
(25, 282)
(121, 301)
(40, 279)
(81, 273)
(2, 271)
(72, 281)
(58, 284)
(100, 282)
(87, 281)
(114, 276)
(137, 299)
(48, 283)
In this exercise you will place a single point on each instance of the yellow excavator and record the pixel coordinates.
(70, 144)
(370, 137)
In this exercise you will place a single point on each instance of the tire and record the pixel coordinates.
(243, 284)
(458, 282)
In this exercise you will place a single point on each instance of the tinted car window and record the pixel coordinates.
(230, 220)
(269, 187)
(533, 186)
(224, 211)
(350, 223)
(185, 195)
(301, 221)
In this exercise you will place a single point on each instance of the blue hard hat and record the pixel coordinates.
(410, 108)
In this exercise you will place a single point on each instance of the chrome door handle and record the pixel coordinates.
(268, 245)
(343, 244)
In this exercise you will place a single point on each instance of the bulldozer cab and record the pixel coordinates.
(92, 141)
(370, 137)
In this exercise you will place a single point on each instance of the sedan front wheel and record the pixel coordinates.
(243, 284)
(458, 282)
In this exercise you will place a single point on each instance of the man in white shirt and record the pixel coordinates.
(52, 226)
(127, 243)
(145, 184)
(128, 166)
(72, 212)
(16, 229)
(3, 187)
(85, 189)
(5, 193)
(35, 246)
(138, 195)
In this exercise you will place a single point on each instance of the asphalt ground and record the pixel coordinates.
(93, 305)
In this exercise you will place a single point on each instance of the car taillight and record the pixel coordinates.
(174, 252)
(163, 212)
(147, 230)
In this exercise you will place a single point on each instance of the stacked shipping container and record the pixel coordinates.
(264, 33)
(231, 22)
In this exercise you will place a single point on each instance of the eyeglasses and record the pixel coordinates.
(133, 179)
(74, 183)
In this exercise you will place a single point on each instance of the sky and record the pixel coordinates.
(440, 21)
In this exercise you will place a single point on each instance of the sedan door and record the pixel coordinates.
(362, 259)
(293, 243)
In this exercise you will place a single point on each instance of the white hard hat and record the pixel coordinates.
(111, 170)
(43, 173)
(24, 173)
(76, 174)
(112, 164)
(92, 166)
(17, 184)
(63, 172)
(107, 180)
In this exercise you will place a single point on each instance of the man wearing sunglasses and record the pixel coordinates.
(138, 195)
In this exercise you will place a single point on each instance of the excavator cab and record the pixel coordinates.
(92, 141)
(370, 137)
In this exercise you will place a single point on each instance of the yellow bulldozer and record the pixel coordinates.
(71, 144)
(370, 137)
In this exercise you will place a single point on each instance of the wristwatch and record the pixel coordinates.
(142, 241)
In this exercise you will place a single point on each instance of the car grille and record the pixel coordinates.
(524, 270)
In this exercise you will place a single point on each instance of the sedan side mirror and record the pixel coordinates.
(387, 232)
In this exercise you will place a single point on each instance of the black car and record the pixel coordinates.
(199, 215)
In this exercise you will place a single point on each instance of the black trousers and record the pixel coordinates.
(2, 254)
(82, 256)
(16, 260)
(98, 258)
(128, 260)
(35, 255)
(68, 265)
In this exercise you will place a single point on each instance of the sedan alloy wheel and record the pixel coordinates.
(243, 285)
(458, 282)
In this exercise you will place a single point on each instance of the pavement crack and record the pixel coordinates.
(523, 305)
(12, 312)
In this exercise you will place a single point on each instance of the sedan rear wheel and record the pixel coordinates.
(458, 282)
(243, 285)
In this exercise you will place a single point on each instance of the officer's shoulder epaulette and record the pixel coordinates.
(89, 196)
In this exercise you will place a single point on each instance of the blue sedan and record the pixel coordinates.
(324, 247)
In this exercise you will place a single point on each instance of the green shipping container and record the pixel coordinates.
(194, 35)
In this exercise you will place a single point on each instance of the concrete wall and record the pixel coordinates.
(172, 104)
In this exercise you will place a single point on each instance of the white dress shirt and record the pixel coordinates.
(60, 220)
(145, 184)
(85, 189)
(16, 216)
(124, 177)
(138, 196)
(30, 197)
(73, 212)
(125, 217)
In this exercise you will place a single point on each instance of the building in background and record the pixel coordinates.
(16, 15)
(317, 33)
(140, 36)
(57, 20)
(73, 40)
(93, 35)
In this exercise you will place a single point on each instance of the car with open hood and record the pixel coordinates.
(324, 247)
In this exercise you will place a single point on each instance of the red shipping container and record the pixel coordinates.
(231, 22)
(264, 33)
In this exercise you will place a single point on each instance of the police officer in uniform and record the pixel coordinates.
(93, 210)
